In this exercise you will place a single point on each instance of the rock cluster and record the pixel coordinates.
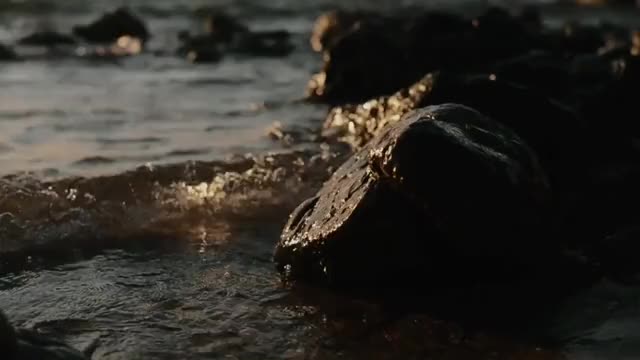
(527, 170)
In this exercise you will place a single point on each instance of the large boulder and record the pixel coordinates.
(444, 196)
(111, 26)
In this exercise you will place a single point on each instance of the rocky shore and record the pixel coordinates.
(487, 149)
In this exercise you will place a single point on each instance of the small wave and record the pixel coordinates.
(193, 204)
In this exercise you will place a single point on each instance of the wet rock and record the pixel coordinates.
(446, 196)
(111, 26)
(330, 26)
(27, 345)
(8, 340)
(199, 48)
(605, 201)
(575, 38)
(540, 70)
(618, 254)
(356, 65)
(501, 35)
(502, 100)
(48, 39)
(205, 54)
(223, 28)
(225, 34)
(7, 54)
(357, 46)
(353, 67)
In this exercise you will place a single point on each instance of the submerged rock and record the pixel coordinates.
(28, 345)
(111, 26)
(445, 196)
(48, 39)
(7, 54)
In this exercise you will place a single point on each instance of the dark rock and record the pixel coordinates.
(332, 25)
(223, 28)
(575, 38)
(502, 100)
(531, 18)
(112, 26)
(358, 63)
(539, 70)
(8, 340)
(205, 54)
(618, 254)
(352, 70)
(199, 48)
(47, 38)
(29, 345)
(226, 34)
(605, 201)
(445, 196)
(615, 101)
(7, 54)
(500, 35)
(358, 46)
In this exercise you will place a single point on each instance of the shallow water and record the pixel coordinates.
(105, 245)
